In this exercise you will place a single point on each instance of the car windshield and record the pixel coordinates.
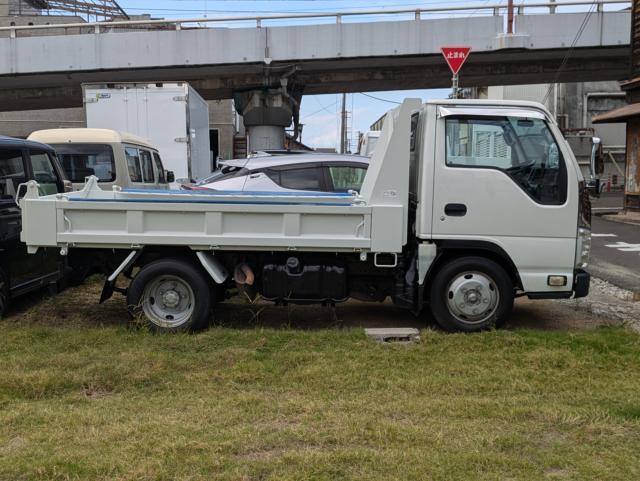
(224, 172)
(82, 160)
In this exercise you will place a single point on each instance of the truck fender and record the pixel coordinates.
(448, 248)
(110, 282)
(213, 266)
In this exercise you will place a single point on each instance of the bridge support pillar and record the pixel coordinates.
(266, 113)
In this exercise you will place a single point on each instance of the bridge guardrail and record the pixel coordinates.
(258, 20)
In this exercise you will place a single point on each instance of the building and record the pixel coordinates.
(629, 114)
(222, 117)
(88, 9)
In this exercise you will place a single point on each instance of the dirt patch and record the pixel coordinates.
(79, 306)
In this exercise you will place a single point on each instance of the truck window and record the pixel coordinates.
(161, 177)
(147, 167)
(82, 160)
(133, 164)
(347, 178)
(299, 179)
(11, 173)
(43, 172)
(524, 149)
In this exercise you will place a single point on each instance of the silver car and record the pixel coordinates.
(290, 171)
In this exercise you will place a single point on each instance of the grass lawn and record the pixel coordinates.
(80, 400)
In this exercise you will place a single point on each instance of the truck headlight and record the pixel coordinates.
(583, 247)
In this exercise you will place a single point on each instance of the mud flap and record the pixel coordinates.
(110, 284)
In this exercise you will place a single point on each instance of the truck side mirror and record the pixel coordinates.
(596, 166)
(171, 177)
(20, 193)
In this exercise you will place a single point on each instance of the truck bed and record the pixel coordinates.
(373, 221)
(216, 220)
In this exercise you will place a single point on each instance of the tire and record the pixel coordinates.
(470, 294)
(186, 300)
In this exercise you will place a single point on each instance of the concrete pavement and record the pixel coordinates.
(608, 203)
(615, 254)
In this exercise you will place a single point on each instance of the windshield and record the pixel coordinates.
(82, 160)
(223, 173)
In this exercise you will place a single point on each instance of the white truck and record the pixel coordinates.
(466, 204)
(171, 116)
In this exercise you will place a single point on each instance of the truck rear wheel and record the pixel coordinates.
(171, 295)
(470, 294)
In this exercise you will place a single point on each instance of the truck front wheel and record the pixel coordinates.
(470, 294)
(171, 295)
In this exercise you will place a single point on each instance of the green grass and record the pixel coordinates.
(84, 400)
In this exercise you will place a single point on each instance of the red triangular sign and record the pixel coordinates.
(455, 57)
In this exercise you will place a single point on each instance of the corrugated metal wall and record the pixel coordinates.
(635, 40)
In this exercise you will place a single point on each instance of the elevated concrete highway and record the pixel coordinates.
(42, 68)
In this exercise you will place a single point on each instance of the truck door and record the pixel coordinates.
(502, 179)
(25, 270)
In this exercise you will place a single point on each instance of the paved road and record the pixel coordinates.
(615, 255)
(608, 202)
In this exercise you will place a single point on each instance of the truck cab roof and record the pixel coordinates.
(63, 136)
(497, 104)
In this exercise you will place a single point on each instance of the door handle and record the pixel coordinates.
(455, 210)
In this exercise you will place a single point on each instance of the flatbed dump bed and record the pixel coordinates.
(217, 220)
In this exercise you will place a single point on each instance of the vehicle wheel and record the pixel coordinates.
(171, 295)
(470, 294)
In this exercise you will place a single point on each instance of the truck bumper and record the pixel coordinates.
(581, 281)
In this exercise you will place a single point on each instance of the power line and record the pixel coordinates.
(381, 99)
(565, 60)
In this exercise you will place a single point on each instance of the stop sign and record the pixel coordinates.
(455, 57)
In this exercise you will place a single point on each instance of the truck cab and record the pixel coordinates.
(498, 193)
(20, 272)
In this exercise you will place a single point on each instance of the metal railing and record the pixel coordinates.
(257, 20)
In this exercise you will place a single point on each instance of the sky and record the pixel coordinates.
(320, 114)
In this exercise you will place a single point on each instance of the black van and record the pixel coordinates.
(20, 161)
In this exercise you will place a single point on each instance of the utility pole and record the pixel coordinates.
(343, 125)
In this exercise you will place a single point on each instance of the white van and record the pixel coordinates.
(116, 158)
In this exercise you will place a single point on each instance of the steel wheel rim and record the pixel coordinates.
(472, 297)
(168, 301)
